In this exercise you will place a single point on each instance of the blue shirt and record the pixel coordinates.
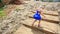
(37, 15)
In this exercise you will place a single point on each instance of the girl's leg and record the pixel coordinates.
(39, 23)
(34, 22)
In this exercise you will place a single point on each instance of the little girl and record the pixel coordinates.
(37, 16)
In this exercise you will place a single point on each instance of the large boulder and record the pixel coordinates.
(17, 2)
(6, 1)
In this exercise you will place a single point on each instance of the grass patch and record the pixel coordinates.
(2, 12)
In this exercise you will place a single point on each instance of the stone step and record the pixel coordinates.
(39, 29)
(26, 30)
(48, 26)
(49, 18)
(54, 13)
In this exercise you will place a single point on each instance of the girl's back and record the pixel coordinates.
(37, 15)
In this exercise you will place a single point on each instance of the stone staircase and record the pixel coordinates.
(46, 25)
(49, 24)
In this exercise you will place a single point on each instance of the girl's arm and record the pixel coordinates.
(41, 12)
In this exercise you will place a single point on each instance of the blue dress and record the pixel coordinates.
(37, 15)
